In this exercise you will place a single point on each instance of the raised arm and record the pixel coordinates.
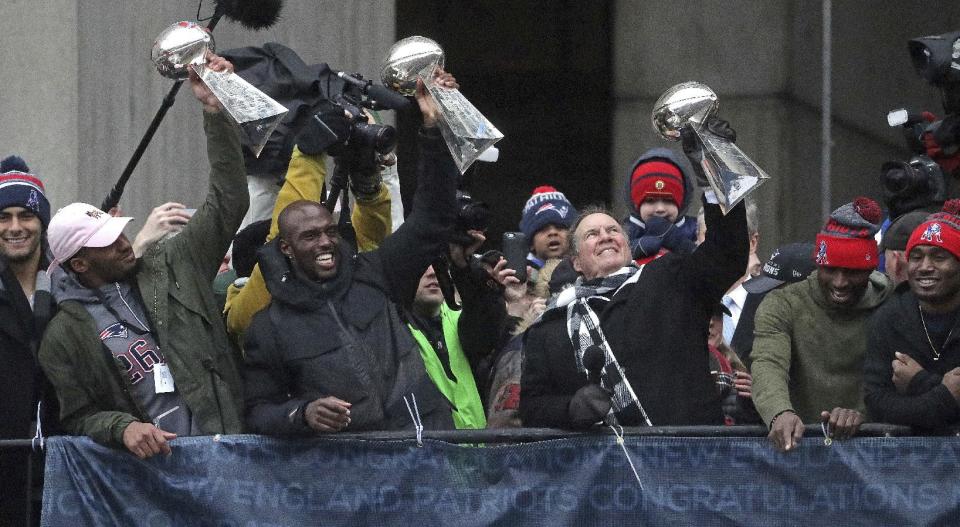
(406, 254)
(204, 240)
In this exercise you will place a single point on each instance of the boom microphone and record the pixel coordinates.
(251, 14)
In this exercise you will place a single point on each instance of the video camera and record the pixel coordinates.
(937, 59)
(342, 124)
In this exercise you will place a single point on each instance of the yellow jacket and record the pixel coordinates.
(305, 177)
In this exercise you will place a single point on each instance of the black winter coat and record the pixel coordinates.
(346, 337)
(657, 328)
(928, 404)
(22, 387)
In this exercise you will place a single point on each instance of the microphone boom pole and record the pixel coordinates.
(113, 198)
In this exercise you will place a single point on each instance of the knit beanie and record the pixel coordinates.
(941, 229)
(656, 177)
(847, 240)
(19, 188)
(546, 206)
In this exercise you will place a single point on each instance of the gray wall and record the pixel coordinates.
(84, 90)
(79, 91)
(763, 59)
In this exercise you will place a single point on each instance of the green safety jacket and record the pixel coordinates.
(462, 391)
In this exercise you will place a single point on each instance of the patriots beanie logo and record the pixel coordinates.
(932, 233)
(822, 253)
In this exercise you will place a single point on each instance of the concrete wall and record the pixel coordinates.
(85, 91)
(763, 59)
(79, 90)
(38, 93)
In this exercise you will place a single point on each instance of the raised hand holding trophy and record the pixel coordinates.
(466, 131)
(185, 45)
(731, 174)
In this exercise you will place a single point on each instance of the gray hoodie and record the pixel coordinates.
(125, 332)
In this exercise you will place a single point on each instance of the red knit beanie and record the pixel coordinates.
(941, 229)
(656, 178)
(847, 240)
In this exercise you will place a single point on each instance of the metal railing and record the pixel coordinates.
(529, 435)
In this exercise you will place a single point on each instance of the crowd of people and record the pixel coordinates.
(665, 317)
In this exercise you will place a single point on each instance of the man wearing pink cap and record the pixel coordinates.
(810, 337)
(912, 370)
(138, 353)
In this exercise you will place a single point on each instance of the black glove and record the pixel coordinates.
(325, 128)
(947, 135)
(694, 150)
(589, 405)
(661, 233)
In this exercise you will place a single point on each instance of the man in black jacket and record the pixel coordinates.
(25, 308)
(912, 369)
(642, 333)
(332, 350)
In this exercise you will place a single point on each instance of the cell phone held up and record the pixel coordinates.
(515, 250)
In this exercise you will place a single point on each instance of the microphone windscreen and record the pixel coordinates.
(388, 98)
(251, 14)
(593, 359)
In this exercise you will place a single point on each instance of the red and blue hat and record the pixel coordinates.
(847, 240)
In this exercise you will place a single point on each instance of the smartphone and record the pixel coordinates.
(515, 250)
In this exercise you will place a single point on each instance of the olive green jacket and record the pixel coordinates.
(808, 353)
(173, 278)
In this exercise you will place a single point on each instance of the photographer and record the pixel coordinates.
(331, 351)
(453, 343)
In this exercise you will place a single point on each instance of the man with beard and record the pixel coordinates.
(810, 337)
(332, 349)
(628, 345)
(25, 309)
(912, 370)
(156, 316)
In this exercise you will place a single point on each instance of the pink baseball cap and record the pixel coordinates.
(80, 225)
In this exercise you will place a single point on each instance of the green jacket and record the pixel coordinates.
(808, 353)
(174, 279)
(461, 391)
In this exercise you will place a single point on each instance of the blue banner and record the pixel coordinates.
(257, 481)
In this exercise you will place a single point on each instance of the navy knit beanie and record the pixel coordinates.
(19, 188)
(546, 206)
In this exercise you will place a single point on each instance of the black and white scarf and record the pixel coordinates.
(583, 328)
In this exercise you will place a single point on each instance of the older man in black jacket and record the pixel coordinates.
(629, 345)
(332, 350)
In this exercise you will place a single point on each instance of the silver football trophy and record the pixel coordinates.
(467, 132)
(731, 174)
(184, 45)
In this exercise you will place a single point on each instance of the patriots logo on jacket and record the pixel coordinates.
(932, 233)
(113, 331)
(822, 253)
